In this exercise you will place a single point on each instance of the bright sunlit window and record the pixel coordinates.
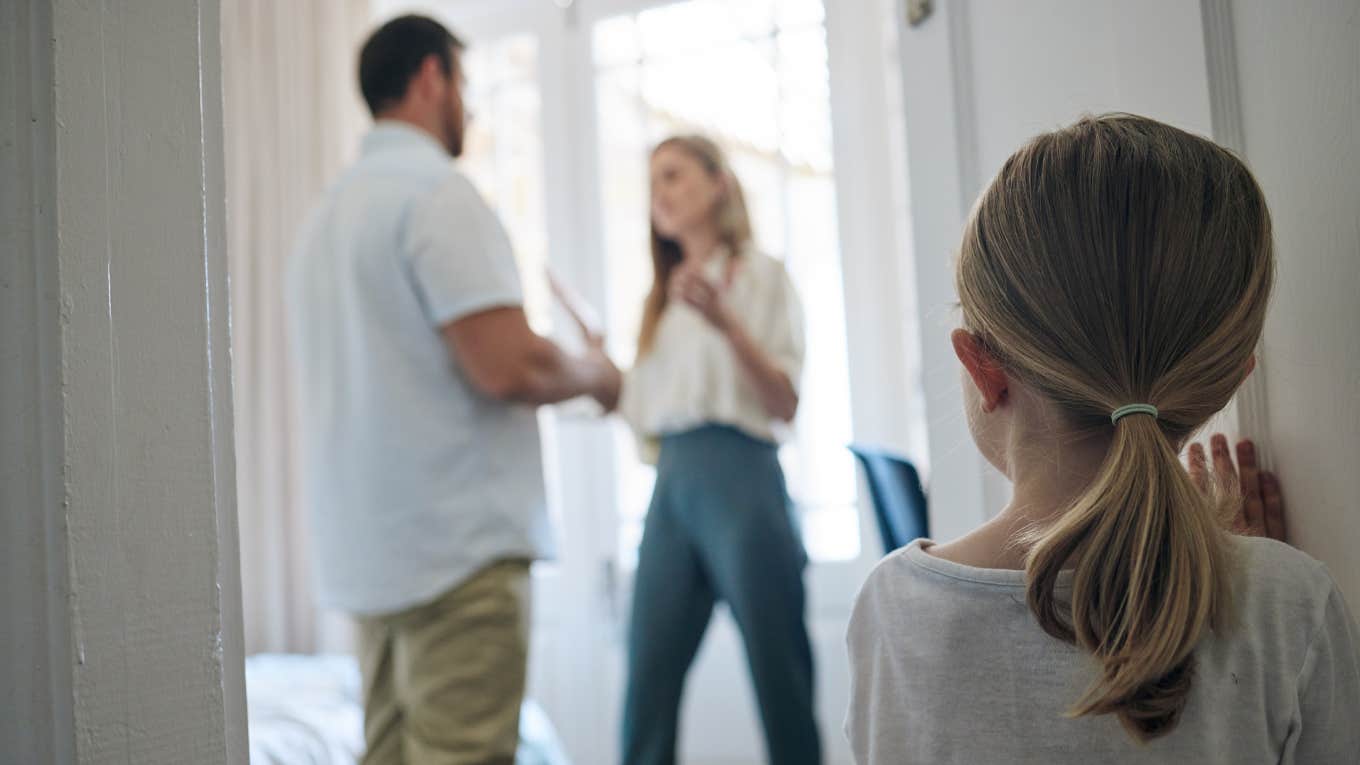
(503, 154)
(503, 157)
(752, 75)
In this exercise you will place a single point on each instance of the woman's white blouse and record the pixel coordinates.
(692, 376)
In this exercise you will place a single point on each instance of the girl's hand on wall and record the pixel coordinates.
(1262, 510)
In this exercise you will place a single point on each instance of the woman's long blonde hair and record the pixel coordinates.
(1119, 261)
(734, 230)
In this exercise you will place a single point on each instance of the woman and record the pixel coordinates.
(713, 390)
(1114, 281)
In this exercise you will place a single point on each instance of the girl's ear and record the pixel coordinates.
(1251, 365)
(985, 371)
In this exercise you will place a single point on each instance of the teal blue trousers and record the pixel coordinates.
(719, 528)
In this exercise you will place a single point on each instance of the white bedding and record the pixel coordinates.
(306, 710)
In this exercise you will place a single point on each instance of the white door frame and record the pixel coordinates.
(942, 181)
(127, 566)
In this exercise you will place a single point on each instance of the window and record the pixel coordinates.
(752, 75)
(503, 154)
(503, 157)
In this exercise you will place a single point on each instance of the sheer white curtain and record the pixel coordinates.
(293, 120)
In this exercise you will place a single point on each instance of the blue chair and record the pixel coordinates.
(899, 500)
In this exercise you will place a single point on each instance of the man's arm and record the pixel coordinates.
(506, 360)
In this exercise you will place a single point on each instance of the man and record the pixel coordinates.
(418, 380)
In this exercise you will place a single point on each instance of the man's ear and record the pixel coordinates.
(984, 370)
(429, 76)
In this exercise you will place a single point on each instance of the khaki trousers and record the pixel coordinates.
(443, 682)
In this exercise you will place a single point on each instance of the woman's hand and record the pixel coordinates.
(1262, 511)
(689, 284)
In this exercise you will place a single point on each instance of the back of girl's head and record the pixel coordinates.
(1120, 261)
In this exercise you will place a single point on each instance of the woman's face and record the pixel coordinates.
(684, 194)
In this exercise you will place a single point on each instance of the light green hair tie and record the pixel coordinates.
(1129, 409)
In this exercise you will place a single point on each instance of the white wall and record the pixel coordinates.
(115, 363)
(980, 78)
(35, 670)
(1299, 73)
(1039, 65)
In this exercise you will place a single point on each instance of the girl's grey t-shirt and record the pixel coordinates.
(948, 665)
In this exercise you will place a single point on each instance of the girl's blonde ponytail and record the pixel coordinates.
(1150, 575)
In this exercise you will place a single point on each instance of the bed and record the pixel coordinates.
(305, 710)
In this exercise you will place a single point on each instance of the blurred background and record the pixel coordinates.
(862, 131)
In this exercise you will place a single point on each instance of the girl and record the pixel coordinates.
(1113, 281)
(713, 389)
